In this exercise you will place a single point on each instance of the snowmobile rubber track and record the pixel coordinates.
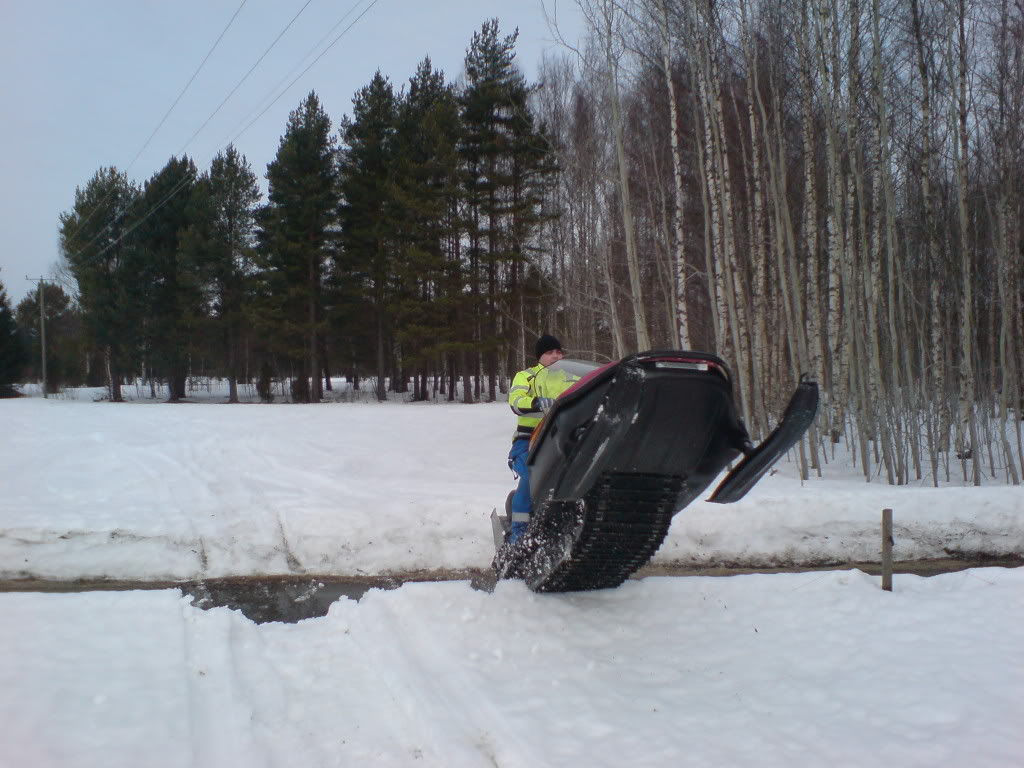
(617, 529)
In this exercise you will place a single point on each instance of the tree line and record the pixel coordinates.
(394, 250)
(807, 186)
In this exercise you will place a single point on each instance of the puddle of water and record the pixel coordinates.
(278, 599)
(289, 599)
(263, 598)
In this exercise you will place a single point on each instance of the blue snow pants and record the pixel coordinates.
(522, 506)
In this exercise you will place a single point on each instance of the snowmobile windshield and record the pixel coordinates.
(558, 377)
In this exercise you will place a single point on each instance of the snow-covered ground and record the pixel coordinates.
(783, 670)
(147, 490)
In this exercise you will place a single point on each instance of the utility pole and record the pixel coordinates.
(42, 325)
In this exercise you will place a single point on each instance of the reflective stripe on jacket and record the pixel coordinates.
(520, 399)
(537, 381)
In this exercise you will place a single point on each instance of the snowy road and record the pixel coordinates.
(782, 670)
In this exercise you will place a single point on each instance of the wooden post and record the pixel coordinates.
(42, 327)
(887, 550)
(42, 334)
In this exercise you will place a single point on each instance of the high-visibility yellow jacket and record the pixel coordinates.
(525, 388)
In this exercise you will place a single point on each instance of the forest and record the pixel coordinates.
(804, 187)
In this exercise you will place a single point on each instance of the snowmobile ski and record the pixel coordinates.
(799, 414)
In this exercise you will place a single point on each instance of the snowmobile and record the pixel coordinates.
(625, 448)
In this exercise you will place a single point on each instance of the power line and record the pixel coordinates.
(181, 184)
(244, 77)
(192, 175)
(299, 76)
(168, 113)
(203, 62)
(308, 53)
(178, 187)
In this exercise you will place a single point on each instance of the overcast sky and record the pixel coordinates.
(84, 85)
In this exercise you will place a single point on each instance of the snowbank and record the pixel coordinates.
(153, 491)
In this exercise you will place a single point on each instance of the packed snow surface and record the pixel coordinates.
(811, 669)
(788, 670)
(147, 490)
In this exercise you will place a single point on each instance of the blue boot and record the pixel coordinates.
(518, 529)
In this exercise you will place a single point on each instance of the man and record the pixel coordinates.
(525, 403)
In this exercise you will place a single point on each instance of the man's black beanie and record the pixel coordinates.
(545, 344)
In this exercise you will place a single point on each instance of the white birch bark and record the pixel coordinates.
(1007, 229)
(967, 441)
(757, 236)
(936, 371)
(643, 342)
(618, 338)
(787, 272)
(733, 289)
(899, 392)
(809, 225)
(828, 36)
(880, 398)
(713, 225)
(1008, 379)
(856, 249)
(682, 328)
(811, 236)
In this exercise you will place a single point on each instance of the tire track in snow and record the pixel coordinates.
(174, 497)
(448, 717)
(222, 700)
(289, 556)
(310, 672)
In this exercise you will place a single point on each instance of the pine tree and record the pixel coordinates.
(368, 211)
(93, 242)
(221, 240)
(164, 276)
(504, 162)
(427, 197)
(13, 355)
(296, 233)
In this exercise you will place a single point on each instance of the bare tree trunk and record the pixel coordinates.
(937, 366)
(1008, 379)
(467, 379)
(1007, 228)
(968, 429)
(811, 237)
(608, 10)
(837, 372)
(711, 237)
(232, 366)
(311, 366)
(757, 236)
(113, 375)
(618, 340)
(682, 329)
(733, 288)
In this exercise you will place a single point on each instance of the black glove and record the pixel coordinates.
(543, 404)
